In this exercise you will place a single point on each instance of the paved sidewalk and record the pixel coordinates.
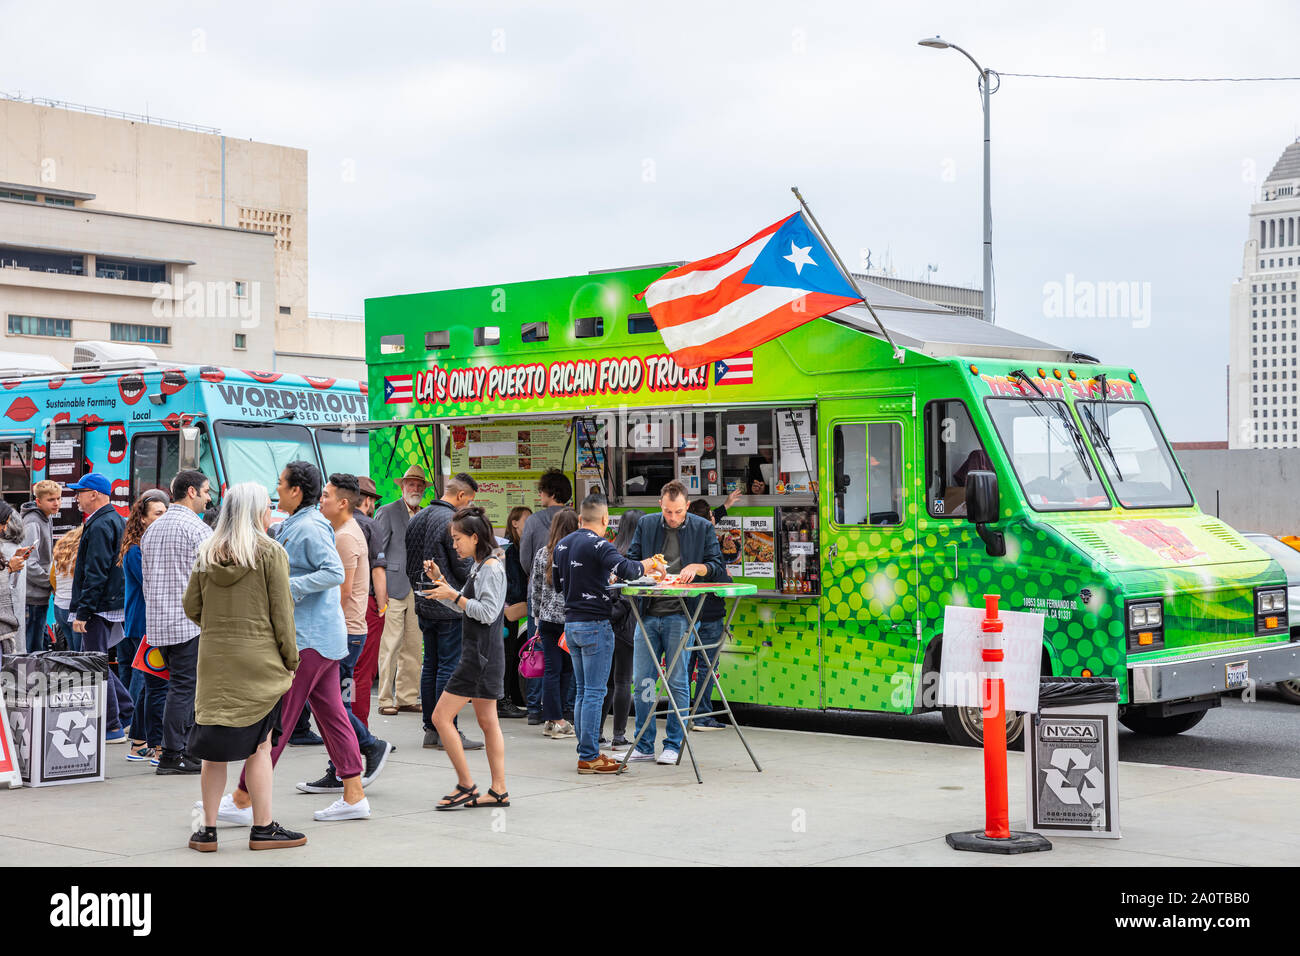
(822, 799)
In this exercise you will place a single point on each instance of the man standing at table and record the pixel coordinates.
(690, 549)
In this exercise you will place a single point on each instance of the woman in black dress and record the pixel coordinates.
(479, 675)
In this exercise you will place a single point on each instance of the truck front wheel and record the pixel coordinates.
(1143, 723)
(965, 725)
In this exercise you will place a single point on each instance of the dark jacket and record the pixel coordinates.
(429, 536)
(97, 582)
(696, 539)
(516, 579)
(133, 574)
(580, 572)
(38, 531)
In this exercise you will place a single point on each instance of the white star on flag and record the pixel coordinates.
(799, 256)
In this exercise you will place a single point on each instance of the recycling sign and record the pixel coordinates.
(1071, 771)
(71, 742)
(57, 716)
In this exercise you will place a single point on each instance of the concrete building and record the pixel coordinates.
(128, 228)
(1262, 369)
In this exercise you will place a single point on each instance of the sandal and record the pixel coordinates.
(462, 796)
(498, 799)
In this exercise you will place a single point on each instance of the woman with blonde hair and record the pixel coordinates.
(62, 567)
(239, 596)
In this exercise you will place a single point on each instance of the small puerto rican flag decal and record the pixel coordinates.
(398, 390)
(734, 371)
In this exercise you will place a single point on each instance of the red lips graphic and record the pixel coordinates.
(173, 422)
(116, 443)
(210, 373)
(365, 389)
(316, 381)
(173, 380)
(57, 381)
(62, 418)
(91, 421)
(38, 458)
(121, 496)
(21, 409)
(265, 378)
(92, 379)
(131, 387)
(11, 383)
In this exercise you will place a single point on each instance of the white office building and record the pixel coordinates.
(1262, 364)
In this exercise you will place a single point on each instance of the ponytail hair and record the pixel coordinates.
(473, 520)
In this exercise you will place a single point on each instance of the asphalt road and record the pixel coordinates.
(1261, 737)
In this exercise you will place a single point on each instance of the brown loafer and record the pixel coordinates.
(388, 711)
(411, 709)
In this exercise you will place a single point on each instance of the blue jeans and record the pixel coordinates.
(664, 633)
(441, 655)
(591, 645)
(558, 687)
(117, 702)
(36, 640)
(347, 685)
(709, 632)
(533, 685)
(65, 628)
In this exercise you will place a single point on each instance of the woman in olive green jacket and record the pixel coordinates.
(239, 596)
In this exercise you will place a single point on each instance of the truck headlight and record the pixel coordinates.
(1146, 621)
(1271, 611)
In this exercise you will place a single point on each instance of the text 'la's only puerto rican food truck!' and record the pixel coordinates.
(123, 413)
(881, 491)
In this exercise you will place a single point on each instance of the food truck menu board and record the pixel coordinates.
(758, 546)
(506, 459)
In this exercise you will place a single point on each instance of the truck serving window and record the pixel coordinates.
(16, 476)
(258, 451)
(1134, 455)
(952, 450)
(1048, 454)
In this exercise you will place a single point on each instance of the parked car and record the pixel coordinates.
(1289, 558)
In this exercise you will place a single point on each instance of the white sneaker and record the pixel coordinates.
(340, 809)
(640, 755)
(563, 729)
(669, 756)
(227, 812)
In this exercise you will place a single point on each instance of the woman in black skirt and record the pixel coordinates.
(479, 675)
(239, 596)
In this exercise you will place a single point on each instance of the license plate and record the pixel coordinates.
(1238, 674)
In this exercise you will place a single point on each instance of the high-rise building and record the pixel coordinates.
(1262, 367)
(134, 229)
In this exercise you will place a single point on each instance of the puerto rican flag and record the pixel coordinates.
(730, 303)
(738, 370)
(399, 389)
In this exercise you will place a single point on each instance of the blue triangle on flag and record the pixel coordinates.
(794, 258)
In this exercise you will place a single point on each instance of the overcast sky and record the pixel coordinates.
(458, 144)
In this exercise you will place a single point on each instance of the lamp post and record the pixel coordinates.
(985, 75)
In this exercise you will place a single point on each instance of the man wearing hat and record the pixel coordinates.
(400, 656)
(98, 603)
(376, 542)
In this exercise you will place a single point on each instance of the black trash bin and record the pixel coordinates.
(55, 704)
(1072, 759)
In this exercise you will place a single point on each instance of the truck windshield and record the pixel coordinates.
(344, 449)
(1134, 454)
(258, 451)
(1048, 454)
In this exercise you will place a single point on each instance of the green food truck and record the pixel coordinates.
(876, 491)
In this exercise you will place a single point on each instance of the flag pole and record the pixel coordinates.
(848, 276)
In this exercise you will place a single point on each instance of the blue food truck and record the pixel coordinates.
(121, 412)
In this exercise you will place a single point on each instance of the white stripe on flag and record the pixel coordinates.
(693, 283)
(731, 317)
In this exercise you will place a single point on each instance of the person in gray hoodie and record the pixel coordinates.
(38, 534)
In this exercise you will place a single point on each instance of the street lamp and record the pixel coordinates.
(985, 76)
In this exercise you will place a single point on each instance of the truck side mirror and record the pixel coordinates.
(189, 450)
(982, 507)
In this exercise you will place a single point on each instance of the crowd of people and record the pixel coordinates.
(260, 626)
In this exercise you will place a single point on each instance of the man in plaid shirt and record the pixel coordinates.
(168, 550)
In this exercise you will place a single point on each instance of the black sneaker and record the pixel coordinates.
(272, 837)
(309, 739)
(431, 740)
(329, 783)
(376, 756)
(168, 765)
(621, 743)
(506, 710)
(535, 719)
(204, 839)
